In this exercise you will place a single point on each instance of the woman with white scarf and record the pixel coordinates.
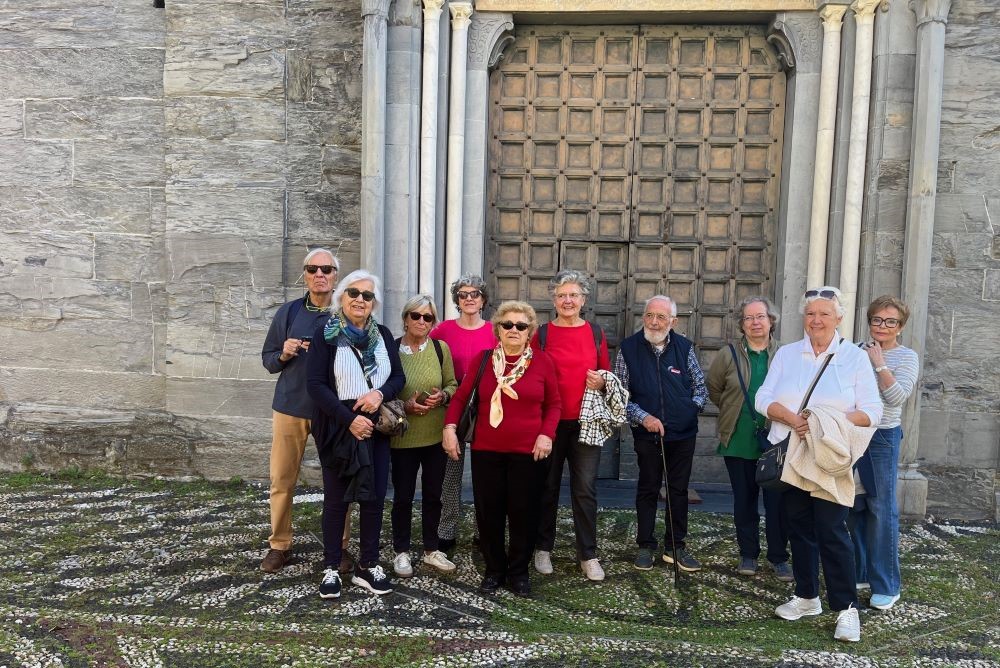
(519, 408)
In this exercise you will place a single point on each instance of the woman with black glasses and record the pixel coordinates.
(518, 401)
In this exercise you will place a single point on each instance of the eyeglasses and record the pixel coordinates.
(754, 318)
(325, 268)
(354, 293)
(569, 295)
(427, 317)
(470, 294)
(521, 326)
(825, 294)
(888, 323)
(658, 317)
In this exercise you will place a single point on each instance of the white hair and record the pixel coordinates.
(673, 306)
(837, 299)
(357, 276)
(317, 251)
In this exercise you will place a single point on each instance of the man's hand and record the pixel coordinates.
(653, 425)
(290, 349)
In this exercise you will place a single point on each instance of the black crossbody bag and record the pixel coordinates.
(772, 460)
(759, 433)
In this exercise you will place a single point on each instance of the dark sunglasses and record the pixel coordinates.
(427, 317)
(325, 268)
(521, 326)
(354, 293)
(825, 294)
(471, 294)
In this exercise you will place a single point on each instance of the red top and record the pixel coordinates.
(534, 412)
(464, 343)
(572, 351)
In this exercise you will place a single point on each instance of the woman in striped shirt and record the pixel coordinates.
(874, 522)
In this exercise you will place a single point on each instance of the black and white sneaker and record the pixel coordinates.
(373, 579)
(330, 586)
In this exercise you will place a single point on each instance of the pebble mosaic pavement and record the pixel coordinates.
(104, 572)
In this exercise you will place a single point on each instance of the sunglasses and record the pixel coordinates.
(471, 294)
(354, 293)
(521, 326)
(325, 268)
(427, 317)
(825, 294)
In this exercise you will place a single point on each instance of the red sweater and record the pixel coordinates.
(571, 350)
(536, 410)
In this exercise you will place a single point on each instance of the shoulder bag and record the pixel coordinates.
(467, 423)
(391, 414)
(772, 460)
(759, 433)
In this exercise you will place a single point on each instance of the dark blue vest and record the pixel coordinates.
(662, 387)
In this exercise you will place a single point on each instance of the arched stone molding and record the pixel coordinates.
(489, 34)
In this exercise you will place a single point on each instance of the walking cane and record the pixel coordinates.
(670, 517)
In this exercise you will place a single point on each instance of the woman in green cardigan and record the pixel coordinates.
(430, 383)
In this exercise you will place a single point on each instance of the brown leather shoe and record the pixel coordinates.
(275, 560)
(346, 562)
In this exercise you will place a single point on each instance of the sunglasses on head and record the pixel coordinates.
(825, 294)
(520, 326)
(427, 317)
(325, 268)
(354, 293)
(471, 294)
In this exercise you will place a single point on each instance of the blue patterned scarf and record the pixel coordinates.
(363, 340)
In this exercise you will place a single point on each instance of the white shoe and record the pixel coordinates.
(439, 560)
(592, 569)
(848, 625)
(861, 586)
(798, 608)
(543, 562)
(402, 566)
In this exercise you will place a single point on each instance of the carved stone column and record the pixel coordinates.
(832, 16)
(428, 145)
(461, 16)
(864, 11)
(489, 33)
(374, 13)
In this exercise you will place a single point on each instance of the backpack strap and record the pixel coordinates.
(543, 335)
(598, 337)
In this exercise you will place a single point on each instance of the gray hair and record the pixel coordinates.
(357, 276)
(316, 251)
(837, 299)
(772, 311)
(673, 306)
(419, 301)
(570, 276)
(474, 281)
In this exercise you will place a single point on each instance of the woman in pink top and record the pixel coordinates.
(466, 336)
(578, 349)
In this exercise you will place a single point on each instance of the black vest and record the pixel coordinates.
(662, 386)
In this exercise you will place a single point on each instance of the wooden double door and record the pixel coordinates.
(648, 157)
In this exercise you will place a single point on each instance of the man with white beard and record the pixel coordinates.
(666, 393)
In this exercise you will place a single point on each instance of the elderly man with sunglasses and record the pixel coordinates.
(284, 352)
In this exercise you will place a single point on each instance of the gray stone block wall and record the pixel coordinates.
(163, 173)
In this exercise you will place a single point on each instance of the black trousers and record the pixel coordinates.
(818, 532)
(747, 518)
(430, 461)
(369, 515)
(680, 456)
(507, 488)
(584, 461)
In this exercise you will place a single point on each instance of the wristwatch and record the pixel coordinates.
(880, 369)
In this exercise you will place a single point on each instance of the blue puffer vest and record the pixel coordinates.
(662, 387)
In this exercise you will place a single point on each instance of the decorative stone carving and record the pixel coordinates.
(375, 7)
(798, 39)
(930, 10)
(864, 10)
(488, 35)
(833, 17)
(432, 9)
(461, 15)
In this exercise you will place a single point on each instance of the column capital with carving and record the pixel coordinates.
(461, 15)
(864, 10)
(798, 39)
(378, 8)
(489, 33)
(432, 9)
(931, 11)
(833, 17)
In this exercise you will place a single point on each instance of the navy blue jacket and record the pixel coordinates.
(662, 385)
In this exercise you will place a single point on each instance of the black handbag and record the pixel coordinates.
(467, 422)
(772, 460)
(759, 433)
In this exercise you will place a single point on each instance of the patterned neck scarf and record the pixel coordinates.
(363, 340)
(504, 382)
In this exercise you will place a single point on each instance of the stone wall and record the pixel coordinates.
(163, 172)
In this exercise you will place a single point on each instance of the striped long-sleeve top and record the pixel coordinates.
(903, 363)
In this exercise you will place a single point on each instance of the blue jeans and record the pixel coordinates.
(874, 523)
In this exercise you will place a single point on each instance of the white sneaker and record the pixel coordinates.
(798, 608)
(861, 586)
(543, 562)
(439, 560)
(401, 565)
(592, 569)
(848, 625)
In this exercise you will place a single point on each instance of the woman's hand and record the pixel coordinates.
(800, 425)
(362, 427)
(874, 351)
(435, 399)
(368, 402)
(413, 408)
(543, 447)
(595, 381)
(449, 441)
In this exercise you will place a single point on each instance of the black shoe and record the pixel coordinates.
(446, 544)
(330, 586)
(521, 587)
(685, 560)
(490, 584)
(373, 579)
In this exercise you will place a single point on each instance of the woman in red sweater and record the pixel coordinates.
(518, 400)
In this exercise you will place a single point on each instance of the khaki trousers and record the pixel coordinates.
(288, 445)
